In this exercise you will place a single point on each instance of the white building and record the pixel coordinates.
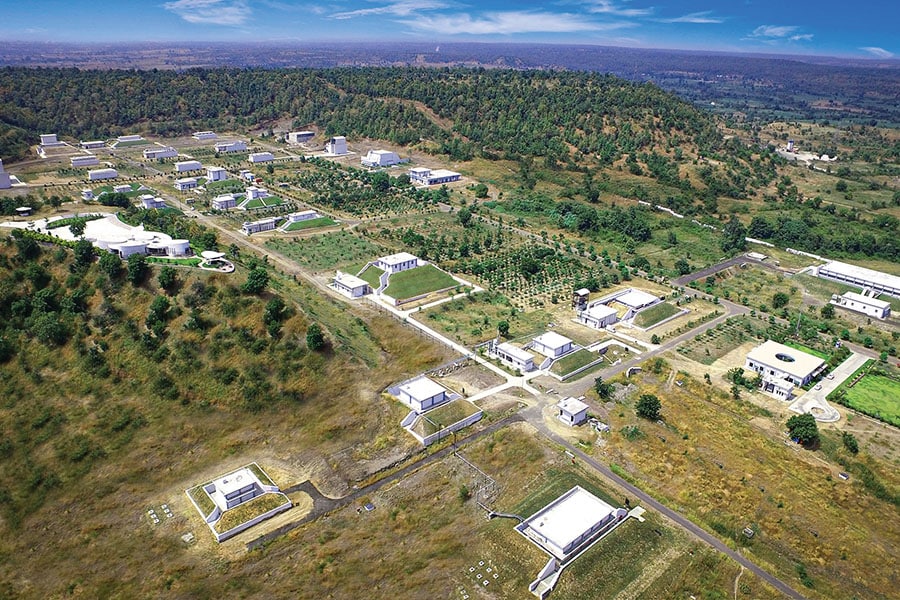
(397, 262)
(129, 138)
(299, 137)
(861, 303)
(256, 192)
(98, 174)
(350, 285)
(336, 145)
(123, 188)
(552, 344)
(5, 181)
(570, 523)
(514, 357)
(268, 224)
(127, 248)
(224, 202)
(164, 152)
(421, 394)
(186, 183)
(247, 175)
(85, 160)
(149, 201)
(185, 166)
(380, 158)
(49, 139)
(204, 135)
(93, 144)
(87, 194)
(261, 157)
(572, 411)
(774, 362)
(424, 176)
(236, 146)
(861, 277)
(216, 174)
(303, 215)
(599, 316)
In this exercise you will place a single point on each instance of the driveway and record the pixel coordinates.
(814, 401)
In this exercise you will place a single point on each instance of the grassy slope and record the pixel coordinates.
(415, 282)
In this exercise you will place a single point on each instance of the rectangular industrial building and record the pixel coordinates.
(514, 357)
(299, 137)
(261, 157)
(267, 224)
(204, 135)
(862, 277)
(224, 202)
(599, 316)
(186, 183)
(861, 303)
(422, 393)
(86, 160)
(216, 174)
(424, 176)
(397, 262)
(380, 158)
(154, 153)
(774, 361)
(99, 174)
(91, 144)
(336, 145)
(186, 166)
(350, 285)
(552, 344)
(237, 146)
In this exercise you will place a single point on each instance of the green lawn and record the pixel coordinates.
(445, 416)
(328, 251)
(807, 349)
(226, 185)
(311, 223)
(420, 280)
(372, 276)
(190, 262)
(248, 510)
(202, 499)
(130, 144)
(264, 202)
(876, 395)
(574, 361)
(655, 314)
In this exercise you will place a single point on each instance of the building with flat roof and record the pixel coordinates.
(572, 411)
(186, 166)
(129, 138)
(598, 316)
(425, 176)
(235, 146)
(395, 263)
(216, 174)
(861, 277)
(514, 357)
(224, 202)
(99, 174)
(261, 157)
(636, 299)
(299, 137)
(570, 523)
(774, 361)
(267, 224)
(49, 139)
(204, 135)
(122, 188)
(862, 303)
(186, 183)
(93, 144)
(336, 145)
(253, 192)
(84, 160)
(380, 158)
(149, 201)
(350, 285)
(165, 152)
(5, 181)
(422, 393)
(303, 215)
(552, 344)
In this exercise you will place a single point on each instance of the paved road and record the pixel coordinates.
(725, 264)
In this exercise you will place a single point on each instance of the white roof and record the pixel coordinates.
(215, 169)
(186, 180)
(422, 388)
(572, 405)
(773, 354)
(515, 351)
(568, 517)
(882, 304)
(211, 254)
(600, 311)
(855, 272)
(636, 298)
(400, 257)
(351, 281)
(551, 339)
(235, 481)
(443, 173)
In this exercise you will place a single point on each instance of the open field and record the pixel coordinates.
(267, 202)
(329, 251)
(444, 416)
(418, 281)
(790, 497)
(876, 395)
(572, 361)
(474, 319)
(653, 315)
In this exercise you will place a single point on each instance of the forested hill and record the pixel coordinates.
(488, 112)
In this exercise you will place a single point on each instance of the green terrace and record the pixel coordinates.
(311, 224)
(418, 281)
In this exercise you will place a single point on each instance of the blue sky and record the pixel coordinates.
(866, 28)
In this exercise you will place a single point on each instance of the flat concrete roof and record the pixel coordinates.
(882, 304)
(351, 281)
(444, 173)
(572, 405)
(212, 255)
(515, 351)
(862, 273)
(772, 353)
(394, 259)
(422, 388)
(551, 339)
(568, 517)
(636, 298)
(235, 481)
(600, 311)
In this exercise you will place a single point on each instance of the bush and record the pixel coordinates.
(648, 407)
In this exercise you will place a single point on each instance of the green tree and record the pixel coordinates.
(604, 389)
(780, 299)
(682, 266)
(84, 253)
(850, 442)
(137, 269)
(110, 264)
(827, 311)
(481, 191)
(503, 328)
(648, 407)
(77, 227)
(654, 339)
(733, 236)
(315, 337)
(464, 217)
(803, 428)
(167, 278)
(257, 280)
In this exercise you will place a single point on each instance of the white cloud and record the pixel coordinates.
(703, 17)
(509, 22)
(607, 7)
(403, 8)
(774, 31)
(212, 12)
(879, 52)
